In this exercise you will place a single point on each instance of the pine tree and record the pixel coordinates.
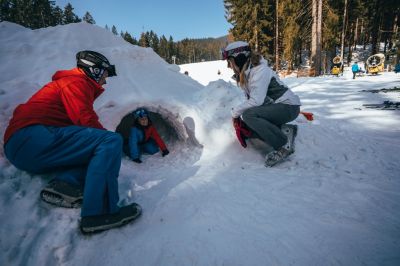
(114, 30)
(291, 40)
(144, 40)
(57, 16)
(88, 18)
(40, 14)
(171, 49)
(69, 16)
(163, 47)
(252, 22)
(154, 41)
(127, 37)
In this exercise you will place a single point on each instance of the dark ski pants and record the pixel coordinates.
(266, 120)
(136, 145)
(81, 156)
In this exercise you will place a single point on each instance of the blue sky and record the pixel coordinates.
(178, 18)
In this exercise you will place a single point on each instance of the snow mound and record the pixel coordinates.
(144, 79)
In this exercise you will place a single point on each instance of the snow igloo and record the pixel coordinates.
(172, 128)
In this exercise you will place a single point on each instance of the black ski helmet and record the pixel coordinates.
(94, 64)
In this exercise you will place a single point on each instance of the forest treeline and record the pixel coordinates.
(283, 31)
(36, 14)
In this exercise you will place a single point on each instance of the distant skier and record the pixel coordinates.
(140, 136)
(355, 69)
(268, 105)
(57, 130)
(397, 68)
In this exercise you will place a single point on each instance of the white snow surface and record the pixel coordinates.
(336, 201)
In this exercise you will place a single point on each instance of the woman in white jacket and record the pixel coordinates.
(268, 104)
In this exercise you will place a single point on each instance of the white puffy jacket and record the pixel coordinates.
(259, 78)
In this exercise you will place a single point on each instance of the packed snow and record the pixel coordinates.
(336, 201)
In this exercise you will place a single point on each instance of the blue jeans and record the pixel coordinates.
(136, 147)
(85, 157)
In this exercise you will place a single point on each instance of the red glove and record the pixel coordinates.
(242, 131)
(308, 116)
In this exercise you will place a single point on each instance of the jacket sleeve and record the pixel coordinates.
(78, 99)
(154, 135)
(258, 85)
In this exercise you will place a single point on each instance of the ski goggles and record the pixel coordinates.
(110, 69)
(225, 54)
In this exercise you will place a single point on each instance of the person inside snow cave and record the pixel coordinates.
(140, 136)
(267, 106)
(57, 130)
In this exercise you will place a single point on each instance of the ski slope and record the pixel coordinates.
(336, 201)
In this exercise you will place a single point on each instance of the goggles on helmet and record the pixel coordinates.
(140, 113)
(225, 54)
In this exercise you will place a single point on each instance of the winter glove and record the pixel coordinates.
(137, 160)
(242, 131)
(236, 122)
(308, 116)
(165, 152)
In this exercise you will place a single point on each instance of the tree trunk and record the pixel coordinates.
(356, 36)
(343, 30)
(255, 27)
(314, 34)
(376, 22)
(384, 47)
(362, 33)
(394, 33)
(276, 36)
(349, 53)
(319, 39)
(366, 38)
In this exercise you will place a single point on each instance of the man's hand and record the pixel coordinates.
(165, 152)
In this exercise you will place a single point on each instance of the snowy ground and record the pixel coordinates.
(335, 202)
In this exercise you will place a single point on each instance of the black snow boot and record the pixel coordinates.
(62, 194)
(126, 214)
(275, 157)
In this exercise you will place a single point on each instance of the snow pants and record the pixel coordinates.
(266, 120)
(85, 157)
(137, 146)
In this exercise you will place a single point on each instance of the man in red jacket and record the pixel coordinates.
(57, 130)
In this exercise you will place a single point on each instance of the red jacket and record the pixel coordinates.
(151, 132)
(65, 101)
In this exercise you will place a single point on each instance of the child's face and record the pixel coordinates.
(143, 121)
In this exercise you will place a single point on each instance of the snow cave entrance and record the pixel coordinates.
(174, 131)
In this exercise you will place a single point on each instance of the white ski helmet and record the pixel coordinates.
(234, 49)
